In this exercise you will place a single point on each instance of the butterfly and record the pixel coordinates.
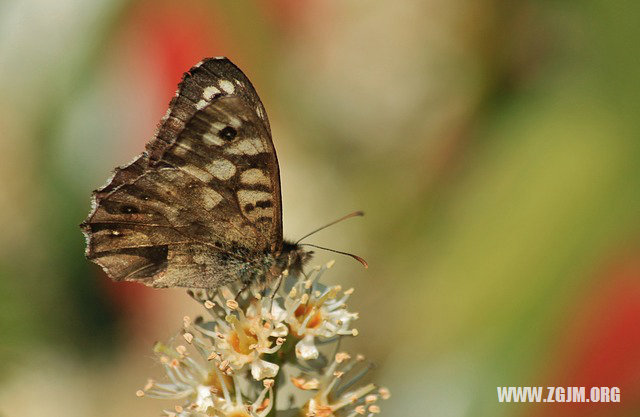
(201, 207)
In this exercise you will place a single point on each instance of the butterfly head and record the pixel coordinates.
(294, 257)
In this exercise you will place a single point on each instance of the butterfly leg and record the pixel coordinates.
(275, 291)
(245, 285)
(277, 286)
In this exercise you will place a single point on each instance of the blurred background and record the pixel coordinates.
(494, 146)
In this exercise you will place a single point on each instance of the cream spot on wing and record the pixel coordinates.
(212, 139)
(234, 122)
(201, 104)
(181, 149)
(254, 176)
(260, 112)
(171, 212)
(166, 114)
(260, 212)
(222, 169)
(210, 198)
(250, 146)
(227, 86)
(209, 92)
(194, 171)
(251, 198)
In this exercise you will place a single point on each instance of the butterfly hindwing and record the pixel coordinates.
(204, 201)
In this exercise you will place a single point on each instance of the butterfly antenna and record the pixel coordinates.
(348, 216)
(356, 257)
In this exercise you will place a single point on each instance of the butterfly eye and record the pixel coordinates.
(228, 133)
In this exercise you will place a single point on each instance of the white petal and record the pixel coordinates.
(262, 369)
(305, 349)
(203, 399)
(281, 330)
(278, 313)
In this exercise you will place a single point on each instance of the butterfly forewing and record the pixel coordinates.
(204, 201)
(226, 150)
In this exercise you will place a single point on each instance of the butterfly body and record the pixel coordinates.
(201, 207)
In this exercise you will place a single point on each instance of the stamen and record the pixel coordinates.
(148, 385)
(238, 393)
(304, 299)
(384, 393)
(355, 396)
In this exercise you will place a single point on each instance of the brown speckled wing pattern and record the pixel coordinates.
(202, 203)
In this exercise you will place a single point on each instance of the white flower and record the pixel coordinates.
(333, 395)
(204, 389)
(248, 340)
(241, 338)
(316, 313)
(262, 369)
(306, 349)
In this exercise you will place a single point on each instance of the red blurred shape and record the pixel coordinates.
(601, 345)
(177, 35)
(160, 41)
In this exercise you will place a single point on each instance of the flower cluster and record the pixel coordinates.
(232, 363)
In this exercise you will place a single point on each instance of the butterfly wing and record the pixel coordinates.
(203, 202)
